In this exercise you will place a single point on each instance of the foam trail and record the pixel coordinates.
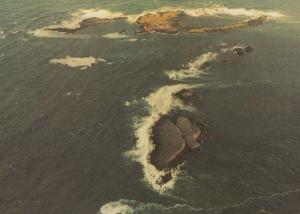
(43, 33)
(194, 68)
(77, 62)
(116, 207)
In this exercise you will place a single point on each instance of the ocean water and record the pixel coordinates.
(76, 110)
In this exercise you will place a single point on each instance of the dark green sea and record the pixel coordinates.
(76, 109)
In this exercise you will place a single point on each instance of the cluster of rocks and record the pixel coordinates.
(241, 51)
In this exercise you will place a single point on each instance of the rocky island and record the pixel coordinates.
(174, 138)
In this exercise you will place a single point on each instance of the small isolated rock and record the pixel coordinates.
(239, 51)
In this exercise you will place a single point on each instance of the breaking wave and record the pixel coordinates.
(2, 34)
(194, 69)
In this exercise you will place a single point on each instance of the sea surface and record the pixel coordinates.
(76, 110)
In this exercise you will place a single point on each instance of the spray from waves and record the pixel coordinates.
(76, 18)
(194, 68)
(77, 62)
(43, 33)
(131, 206)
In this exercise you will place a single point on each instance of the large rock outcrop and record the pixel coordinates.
(174, 138)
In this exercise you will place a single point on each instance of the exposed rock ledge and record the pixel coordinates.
(174, 138)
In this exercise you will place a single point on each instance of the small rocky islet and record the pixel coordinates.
(175, 137)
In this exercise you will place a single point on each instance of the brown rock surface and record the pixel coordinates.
(173, 140)
(169, 143)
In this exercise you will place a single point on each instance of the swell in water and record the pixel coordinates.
(82, 14)
(125, 206)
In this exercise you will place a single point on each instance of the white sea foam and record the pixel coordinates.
(193, 69)
(120, 36)
(77, 62)
(115, 35)
(2, 34)
(43, 33)
(221, 10)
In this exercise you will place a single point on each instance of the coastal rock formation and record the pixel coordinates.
(172, 22)
(174, 138)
